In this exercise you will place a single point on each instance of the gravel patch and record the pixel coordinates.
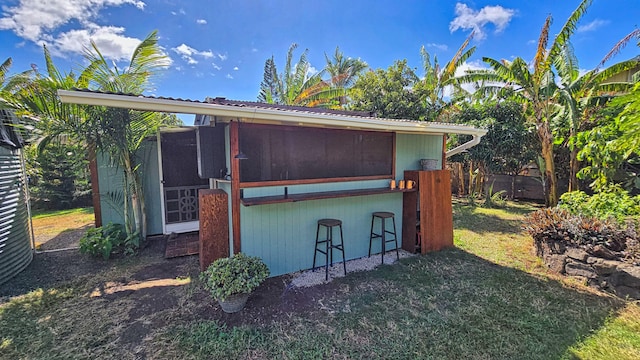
(309, 278)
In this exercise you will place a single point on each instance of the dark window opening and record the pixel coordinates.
(280, 153)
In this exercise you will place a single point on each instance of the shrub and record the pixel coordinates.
(612, 202)
(559, 226)
(106, 240)
(234, 275)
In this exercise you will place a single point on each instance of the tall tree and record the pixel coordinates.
(582, 95)
(388, 93)
(437, 80)
(295, 85)
(535, 87)
(123, 131)
(342, 73)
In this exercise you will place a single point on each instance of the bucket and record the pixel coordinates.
(429, 164)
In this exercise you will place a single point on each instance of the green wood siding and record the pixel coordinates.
(283, 235)
(110, 180)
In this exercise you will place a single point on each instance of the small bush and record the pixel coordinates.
(107, 240)
(613, 202)
(234, 275)
(558, 225)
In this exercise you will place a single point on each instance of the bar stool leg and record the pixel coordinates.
(326, 255)
(315, 251)
(384, 239)
(371, 235)
(344, 260)
(395, 234)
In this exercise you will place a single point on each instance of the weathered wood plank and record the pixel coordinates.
(214, 226)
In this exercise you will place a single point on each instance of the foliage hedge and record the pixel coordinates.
(234, 275)
(612, 202)
(107, 240)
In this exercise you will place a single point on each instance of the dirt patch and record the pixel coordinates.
(155, 293)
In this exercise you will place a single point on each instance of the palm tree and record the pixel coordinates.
(122, 131)
(582, 95)
(294, 86)
(119, 133)
(534, 87)
(437, 79)
(342, 73)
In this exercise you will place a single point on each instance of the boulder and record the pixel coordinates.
(625, 291)
(602, 252)
(555, 262)
(605, 267)
(577, 254)
(630, 277)
(580, 269)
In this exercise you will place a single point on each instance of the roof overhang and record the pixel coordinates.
(299, 118)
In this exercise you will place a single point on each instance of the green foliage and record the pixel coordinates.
(509, 143)
(107, 240)
(58, 176)
(611, 202)
(234, 275)
(388, 93)
(495, 199)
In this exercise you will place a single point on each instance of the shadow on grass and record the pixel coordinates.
(453, 304)
(445, 305)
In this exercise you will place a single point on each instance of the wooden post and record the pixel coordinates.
(214, 226)
(95, 186)
(235, 185)
(444, 151)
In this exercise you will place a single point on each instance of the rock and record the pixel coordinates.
(602, 252)
(625, 291)
(579, 269)
(555, 262)
(605, 267)
(592, 259)
(577, 254)
(630, 277)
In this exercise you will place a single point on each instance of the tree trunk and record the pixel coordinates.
(574, 167)
(461, 179)
(546, 140)
(513, 186)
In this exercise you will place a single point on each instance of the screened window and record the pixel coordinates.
(280, 153)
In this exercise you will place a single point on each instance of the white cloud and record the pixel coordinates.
(201, 21)
(111, 41)
(217, 67)
(468, 18)
(34, 19)
(181, 12)
(311, 71)
(236, 68)
(594, 25)
(531, 42)
(254, 50)
(229, 76)
(189, 54)
(442, 47)
(222, 57)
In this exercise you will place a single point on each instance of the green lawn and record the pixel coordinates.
(489, 298)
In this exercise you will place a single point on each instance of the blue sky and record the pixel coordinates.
(218, 48)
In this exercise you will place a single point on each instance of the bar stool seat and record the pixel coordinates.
(383, 216)
(329, 224)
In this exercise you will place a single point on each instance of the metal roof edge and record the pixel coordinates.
(295, 117)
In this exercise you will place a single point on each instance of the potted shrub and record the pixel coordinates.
(231, 280)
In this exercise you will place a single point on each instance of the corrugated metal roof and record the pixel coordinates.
(284, 108)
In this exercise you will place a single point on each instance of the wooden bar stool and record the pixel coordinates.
(383, 216)
(329, 224)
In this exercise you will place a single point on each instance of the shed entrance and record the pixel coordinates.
(179, 181)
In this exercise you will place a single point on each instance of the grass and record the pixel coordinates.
(51, 223)
(489, 298)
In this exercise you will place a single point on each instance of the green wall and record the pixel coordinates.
(110, 181)
(283, 235)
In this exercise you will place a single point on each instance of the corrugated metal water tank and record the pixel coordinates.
(15, 243)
